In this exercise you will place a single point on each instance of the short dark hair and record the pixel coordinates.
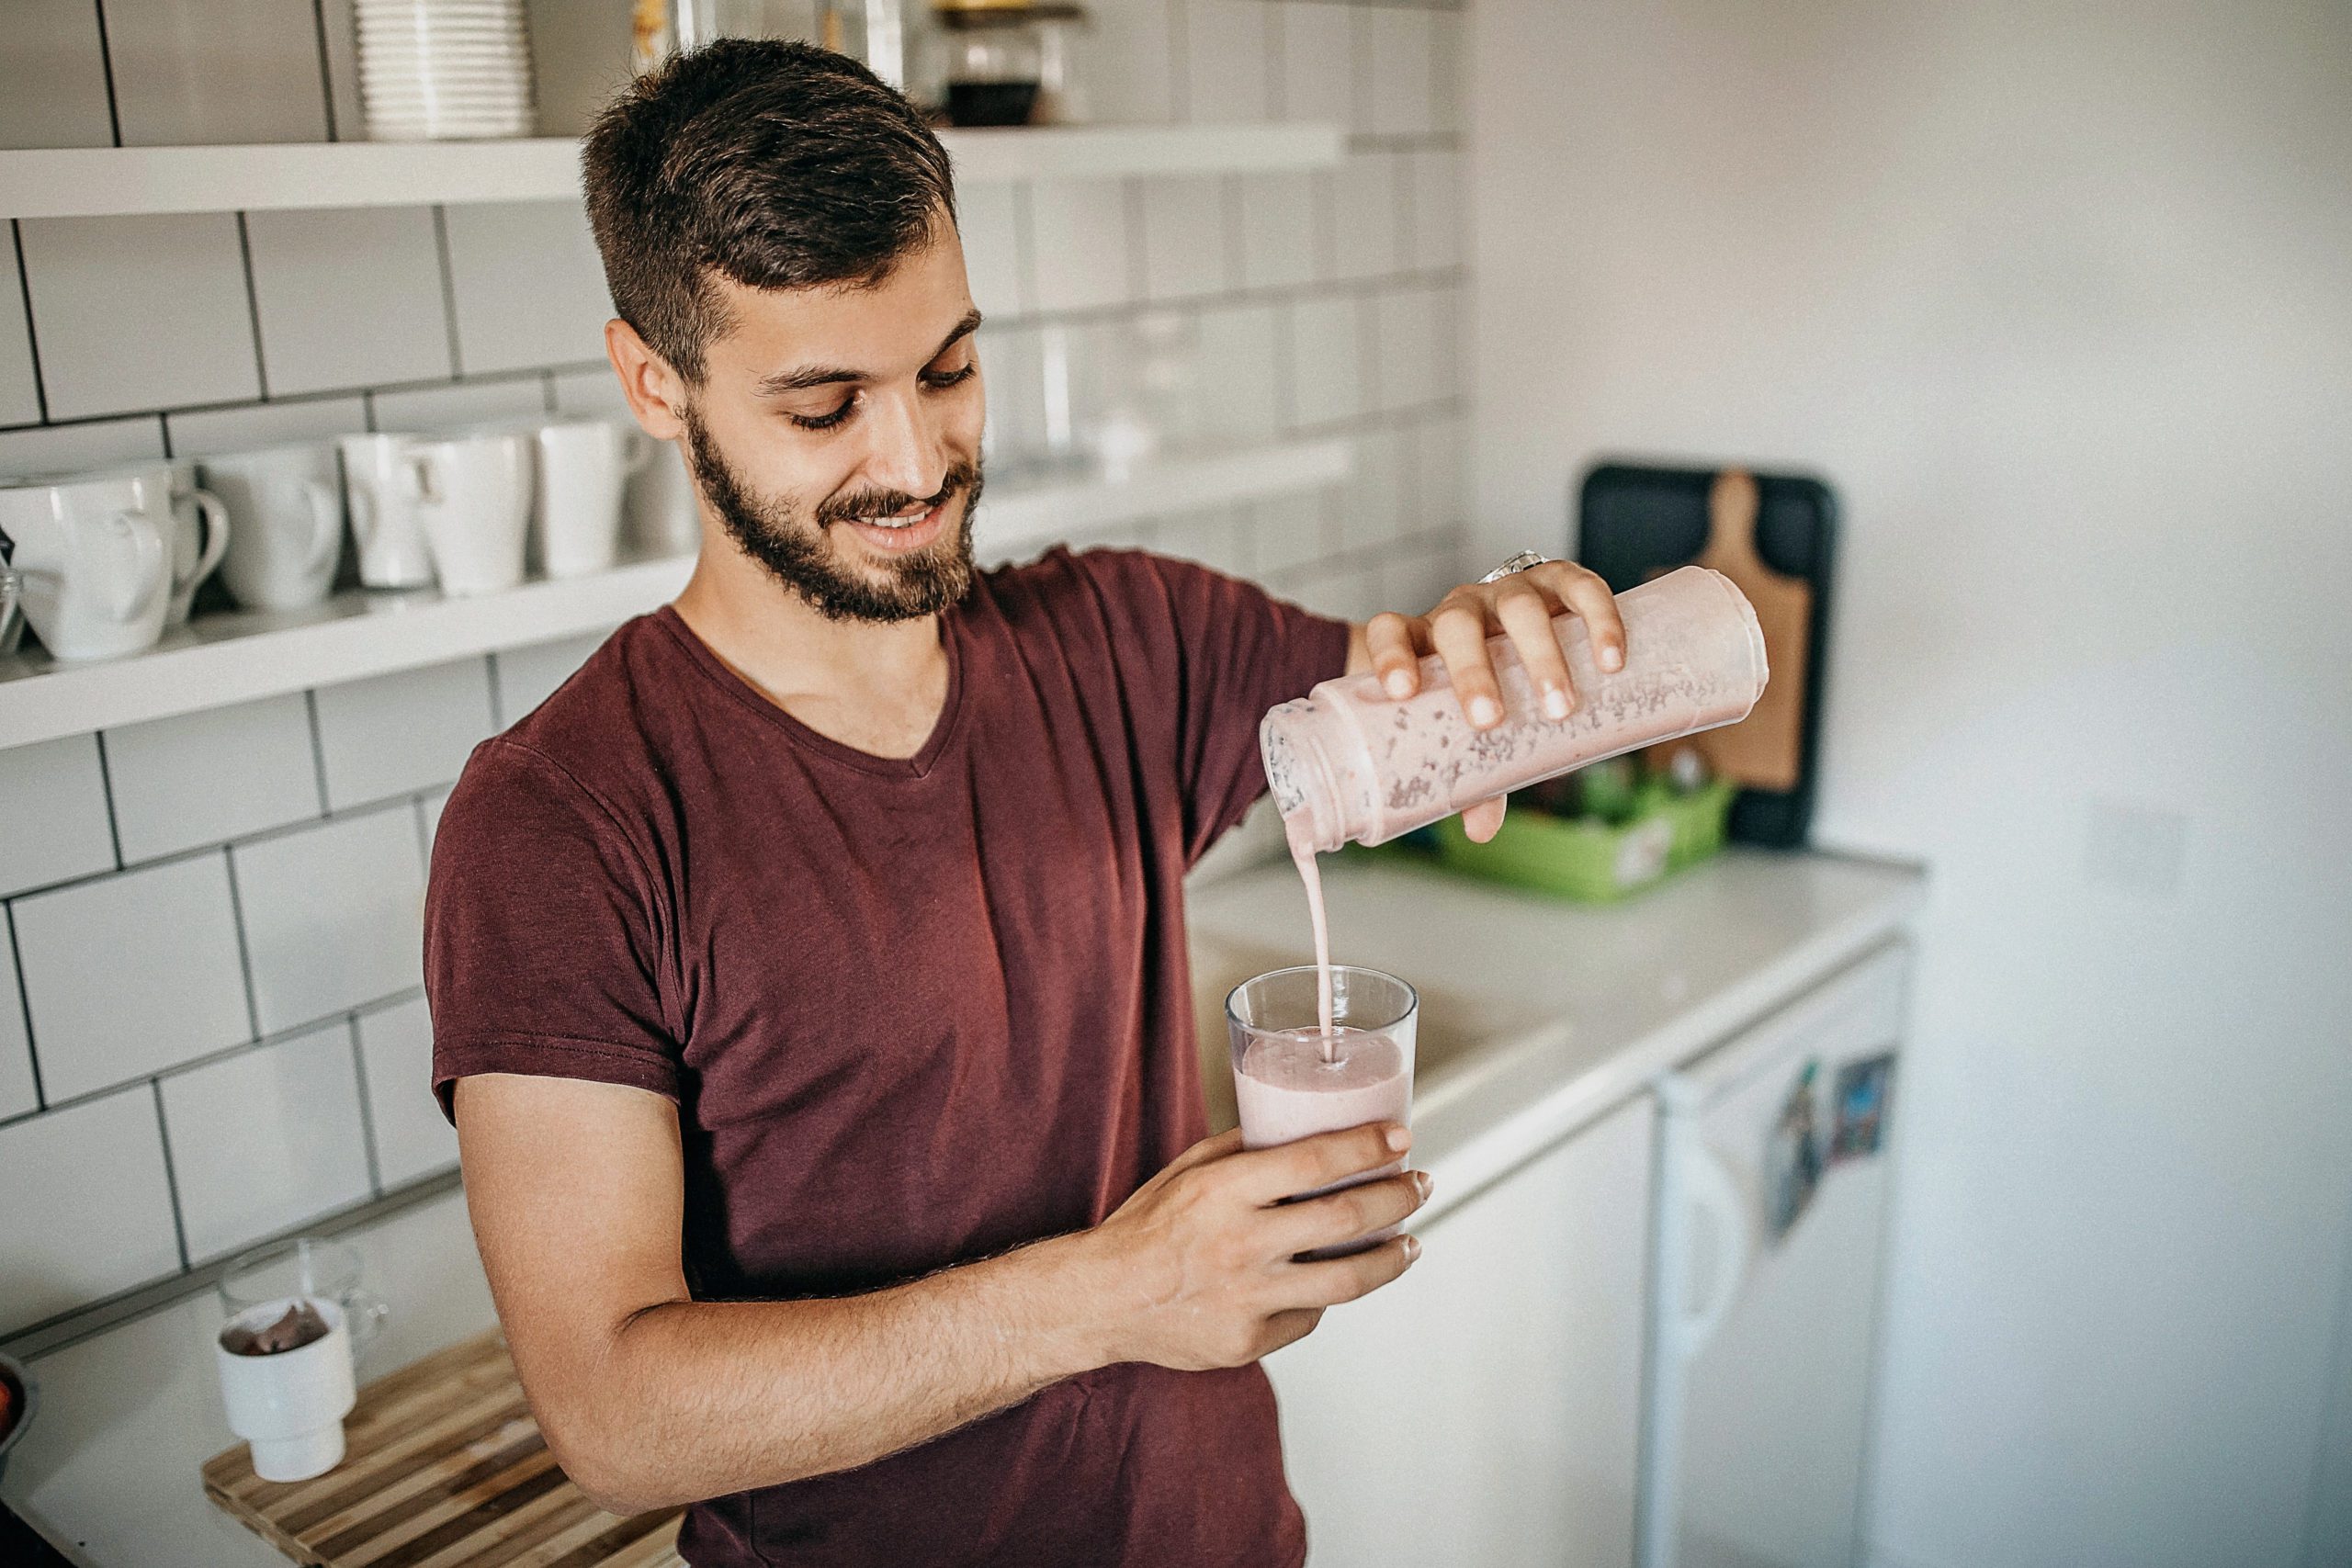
(777, 165)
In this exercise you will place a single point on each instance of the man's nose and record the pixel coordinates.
(903, 452)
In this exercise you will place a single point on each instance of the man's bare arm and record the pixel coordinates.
(649, 1398)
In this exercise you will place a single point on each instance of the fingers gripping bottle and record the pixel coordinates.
(1347, 761)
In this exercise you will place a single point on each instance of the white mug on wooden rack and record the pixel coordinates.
(95, 567)
(381, 485)
(286, 507)
(584, 465)
(474, 502)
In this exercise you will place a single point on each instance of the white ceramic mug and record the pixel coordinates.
(286, 509)
(474, 502)
(289, 1406)
(95, 565)
(664, 517)
(193, 521)
(584, 465)
(380, 485)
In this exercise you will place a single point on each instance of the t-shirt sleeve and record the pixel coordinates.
(1238, 650)
(542, 933)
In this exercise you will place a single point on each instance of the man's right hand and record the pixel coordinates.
(1197, 1267)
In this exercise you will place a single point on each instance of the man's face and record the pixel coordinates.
(837, 436)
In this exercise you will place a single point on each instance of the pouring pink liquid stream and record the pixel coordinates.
(1347, 761)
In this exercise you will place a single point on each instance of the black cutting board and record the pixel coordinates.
(1634, 521)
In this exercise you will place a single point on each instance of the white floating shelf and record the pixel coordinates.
(219, 660)
(96, 182)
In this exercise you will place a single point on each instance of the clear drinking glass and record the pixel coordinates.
(306, 1268)
(1291, 1082)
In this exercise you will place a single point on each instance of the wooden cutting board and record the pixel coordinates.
(1765, 750)
(444, 1466)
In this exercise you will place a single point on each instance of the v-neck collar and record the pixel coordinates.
(918, 766)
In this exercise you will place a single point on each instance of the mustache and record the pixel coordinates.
(882, 502)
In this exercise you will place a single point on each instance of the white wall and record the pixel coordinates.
(2059, 297)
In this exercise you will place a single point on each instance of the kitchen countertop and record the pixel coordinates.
(1537, 1018)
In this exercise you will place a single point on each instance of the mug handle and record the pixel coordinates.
(364, 1315)
(135, 595)
(362, 501)
(215, 518)
(327, 525)
(416, 470)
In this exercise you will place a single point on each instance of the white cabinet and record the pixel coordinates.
(1485, 1409)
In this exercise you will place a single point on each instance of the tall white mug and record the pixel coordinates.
(474, 502)
(95, 565)
(289, 1406)
(286, 513)
(381, 485)
(195, 525)
(584, 465)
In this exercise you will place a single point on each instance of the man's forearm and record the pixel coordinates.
(698, 1399)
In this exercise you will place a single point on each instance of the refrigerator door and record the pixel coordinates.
(1769, 1246)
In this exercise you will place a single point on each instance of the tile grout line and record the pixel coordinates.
(25, 303)
(449, 288)
(318, 751)
(244, 949)
(253, 306)
(171, 1175)
(106, 68)
(366, 1107)
(326, 77)
(24, 1004)
(106, 788)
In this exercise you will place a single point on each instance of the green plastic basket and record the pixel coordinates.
(1590, 860)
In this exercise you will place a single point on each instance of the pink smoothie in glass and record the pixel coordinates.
(1296, 1082)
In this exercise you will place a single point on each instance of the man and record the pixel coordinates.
(809, 973)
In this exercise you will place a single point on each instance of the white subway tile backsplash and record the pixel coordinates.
(1366, 203)
(126, 976)
(1218, 537)
(199, 432)
(468, 402)
(992, 262)
(19, 386)
(1395, 70)
(62, 448)
(1228, 53)
(1012, 373)
(393, 734)
(412, 1138)
(1287, 532)
(1405, 348)
(204, 778)
(266, 1139)
(53, 76)
(89, 1209)
(1080, 243)
(53, 803)
(1415, 579)
(17, 1094)
(1445, 323)
(1183, 236)
(1444, 497)
(139, 312)
(1437, 209)
(176, 84)
(428, 816)
(1120, 62)
(349, 297)
(1239, 385)
(1316, 83)
(597, 392)
(1378, 502)
(529, 289)
(1446, 91)
(526, 677)
(334, 916)
(1327, 353)
(1277, 229)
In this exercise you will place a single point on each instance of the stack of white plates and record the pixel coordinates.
(439, 70)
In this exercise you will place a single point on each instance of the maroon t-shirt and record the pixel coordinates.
(914, 1011)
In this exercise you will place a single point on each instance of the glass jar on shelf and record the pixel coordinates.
(870, 31)
(1007, 61)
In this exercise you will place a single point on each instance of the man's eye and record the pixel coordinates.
(950, 377)
(825, 421)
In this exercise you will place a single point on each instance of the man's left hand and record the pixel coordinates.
(1521, 606)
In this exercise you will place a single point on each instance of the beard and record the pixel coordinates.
(797, 554)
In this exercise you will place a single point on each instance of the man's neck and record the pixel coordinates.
(876, 686)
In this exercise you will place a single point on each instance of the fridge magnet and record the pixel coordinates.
(1792, 1156)
(1860, 1125)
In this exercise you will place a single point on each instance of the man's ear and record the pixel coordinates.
(656, 393)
